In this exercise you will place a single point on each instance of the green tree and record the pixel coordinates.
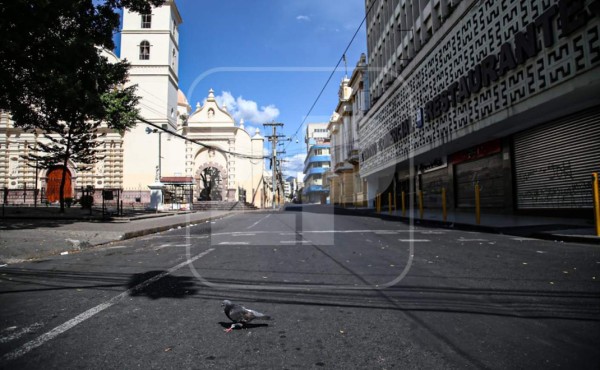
(54, 80)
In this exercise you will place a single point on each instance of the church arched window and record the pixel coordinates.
(144, 50)
(146, 20)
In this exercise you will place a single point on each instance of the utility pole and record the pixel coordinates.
(273, 139)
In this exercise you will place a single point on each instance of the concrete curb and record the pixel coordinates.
(595, 240)
(110, 238)
(529, 231)
(158, 229)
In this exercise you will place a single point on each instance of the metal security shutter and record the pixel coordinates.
(432, 184)
(554, 162)
(488, 173)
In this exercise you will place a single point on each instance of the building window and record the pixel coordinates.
(146, 20)
(144, 50)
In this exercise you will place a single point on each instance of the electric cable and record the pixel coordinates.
(215, 148)
(332, 72)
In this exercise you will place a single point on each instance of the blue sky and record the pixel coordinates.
(269, 52)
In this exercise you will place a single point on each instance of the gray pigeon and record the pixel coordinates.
(240, 315)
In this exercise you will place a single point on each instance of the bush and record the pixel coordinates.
(68, 202)
(86, 201)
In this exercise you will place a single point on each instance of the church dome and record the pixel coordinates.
(181, 99)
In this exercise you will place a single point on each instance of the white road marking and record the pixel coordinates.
(246, 234)
(162, 246)
(295, 241)
(115, 247)
(20, 333)
(234, 233)
(27, 347)
(257, 222)
(461, 239)
(171, 245)
(522, 239)
(234, 243)
(414, 240)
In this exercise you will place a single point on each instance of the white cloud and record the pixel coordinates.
(248, 110)
(305, 18)
(226, 99)
(294, 164)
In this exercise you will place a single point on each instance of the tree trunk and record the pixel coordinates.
(63, 180)
(61, 191)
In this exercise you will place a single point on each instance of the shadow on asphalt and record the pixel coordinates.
(166, 287)
(227, 325)
(21, 218)
(522, 303)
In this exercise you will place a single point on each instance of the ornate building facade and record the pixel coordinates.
(224, 157)
(346, 186)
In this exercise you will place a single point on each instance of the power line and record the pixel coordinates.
(247, 156)
(333, 72)
(273, 139)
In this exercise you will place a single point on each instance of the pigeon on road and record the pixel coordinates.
(240, 315)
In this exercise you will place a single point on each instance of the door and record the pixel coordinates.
(53, 185)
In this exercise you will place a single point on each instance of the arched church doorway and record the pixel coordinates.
(54, 178)
(210, 184)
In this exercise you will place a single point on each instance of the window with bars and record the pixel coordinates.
(146, 20)
(144, 50)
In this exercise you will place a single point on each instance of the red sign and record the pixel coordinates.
(476, 152)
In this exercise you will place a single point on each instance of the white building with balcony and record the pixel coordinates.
(346, 187)
(316, 164)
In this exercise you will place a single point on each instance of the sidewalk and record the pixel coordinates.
(550, 228)
(27, 233)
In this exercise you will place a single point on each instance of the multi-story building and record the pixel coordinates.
(316, 133)
(298, 187)
(317, 162)
(288, 188)
(499, 96)
(345, 184)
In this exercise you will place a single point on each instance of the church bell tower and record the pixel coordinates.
(150, 43)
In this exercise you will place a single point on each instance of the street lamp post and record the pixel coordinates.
(159, 171)
(159, 155)
(156, 189)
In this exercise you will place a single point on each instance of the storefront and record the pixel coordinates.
(434, 178)
(511, 102)
(480, 165)
(553, 163)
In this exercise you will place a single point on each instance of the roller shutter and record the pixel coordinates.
(487, 172)
(432, 184)
(554, 162)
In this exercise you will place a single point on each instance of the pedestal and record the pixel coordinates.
(156, 196)
(231, 194)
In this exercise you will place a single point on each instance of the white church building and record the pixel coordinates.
(191, 155)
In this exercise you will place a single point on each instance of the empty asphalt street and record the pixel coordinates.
(344, 292)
